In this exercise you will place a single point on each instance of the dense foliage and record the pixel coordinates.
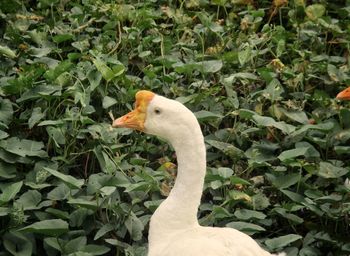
(261, 77)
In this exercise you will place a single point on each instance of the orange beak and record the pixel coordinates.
(344, 95)
(136, 118)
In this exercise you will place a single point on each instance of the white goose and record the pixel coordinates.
(174, 228)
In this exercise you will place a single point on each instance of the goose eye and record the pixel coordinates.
(157, 111)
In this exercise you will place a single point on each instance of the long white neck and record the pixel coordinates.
(179, 210)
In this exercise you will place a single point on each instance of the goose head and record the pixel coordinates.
(160, 116)
(344, 95)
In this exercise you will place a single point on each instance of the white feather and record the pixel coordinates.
(174, 228)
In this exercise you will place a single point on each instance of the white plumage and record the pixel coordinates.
(174, 228)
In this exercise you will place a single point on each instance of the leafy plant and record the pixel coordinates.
(260, 76)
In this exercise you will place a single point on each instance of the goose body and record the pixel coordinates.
(174, 228)
(206, 241)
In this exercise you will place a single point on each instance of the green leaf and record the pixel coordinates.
(40, 51)
(329, 171)
(240, 181)
(6, 111)
(36, 116)
(17, 244)
(4, 211)
(62, 67)
(244, 55)
(7, 171)
(345, 117)
(9, 157)
(3, 135)
(286, 181)
(54, 227)
(294, 196)
(333, 198)
(204, 115)
(117, 243)
(245, 227)
(282, 241)
(145, 54)
(327, 126)
(75, 245)
(211, 66)
(225, 172)
(312, 153)
(101, 66)
(134, 226)
(23, 147)
(10, 191)
(62, 38)
(7, 52)
(81, 45)
(246, 113)
(281, 46)
(108, 190)
(315, 11)
(186, 68)
(61, 192)
(57, 134)
(103, 230)
(270, 122)
(107, 165)
(292, 217)
(90, 204)
(93, 249)
(340, 150)
(334, 73)
(292, 153)
(118, 69)
(54, 243)
(273, 90)
(58, 213)
(240, 75)
(220, 212)
(215, 184)
(51, 122)
(260, 201)
(39, 37)
(245, 214)
(108, 102)
(29, 200)
(219, 2)
(40, 91)
(140, 186)
(227, 148)
(108, 73)
(309, 251)
(68, 179)
(94, 78)
(296, 115)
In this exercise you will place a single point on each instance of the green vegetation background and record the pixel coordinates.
(261, 76)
